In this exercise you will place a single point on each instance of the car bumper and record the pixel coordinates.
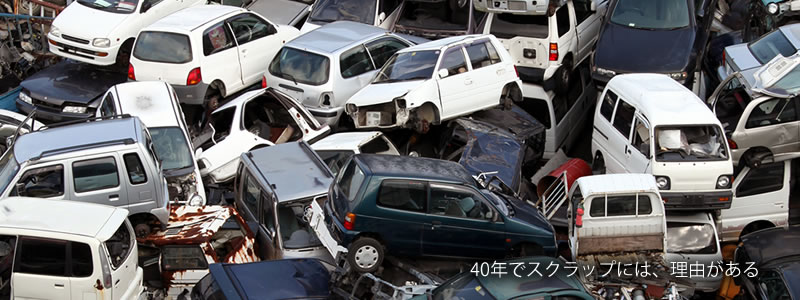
(83, 52)
(51, 115)
(381, 116)
(191, 94)
(326, 116)
(537, 76)
(697, 200)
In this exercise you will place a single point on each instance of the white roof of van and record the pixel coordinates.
(662, 100)
(191, 18)
(616, 183)
(64, 216)
(150, 101)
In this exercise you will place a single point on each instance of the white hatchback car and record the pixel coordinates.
(207, 51)
(101, 32)
(337, 148)
(437, 81)
(253, 120)
(155, 103)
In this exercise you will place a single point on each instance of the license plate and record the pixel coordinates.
(374, 118)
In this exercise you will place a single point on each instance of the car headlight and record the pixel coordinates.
(605, 72)
(55, 31)
(25, 98)
(195, 200)
(678, 76)
(351, 108)
(662, 182)
(773, 8)
(74, 109)
(102, 42)
(724, 182)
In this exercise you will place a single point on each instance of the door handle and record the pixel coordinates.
(244, 50)
(627, 150)
(468, 81)
(113, 197)
(500, 71)
(59, 285)
(435, 223)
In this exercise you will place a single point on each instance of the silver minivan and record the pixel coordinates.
(326, 66)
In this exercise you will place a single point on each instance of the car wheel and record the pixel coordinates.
(562, 78)
(598, 165)
(365, 255)
(141, 230)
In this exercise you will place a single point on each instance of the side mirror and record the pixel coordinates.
(381, 18)
(443, 73)
(593, 5)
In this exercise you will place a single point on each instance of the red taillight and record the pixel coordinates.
(349, 221)
(194, 77)
(553, 52)
(723, 57)
(263, 81)
(732, 144)
(131, 75)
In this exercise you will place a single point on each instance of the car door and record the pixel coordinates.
(638, 151)
(460, 223)
(40, 182)
(618, 136)
(139, 188)
(401, 206)
(773, 123)
(221, 56)
(487, 72)
(123, 259)
(758, 194)
(40, 269)
(97, 179)
(256, 47)
(81, 262)
(357, 70)
(457, 90)
(588, 28)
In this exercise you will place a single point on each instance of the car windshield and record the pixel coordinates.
(8, 169)
(351, 180)
(172, 148)
(466, 286)
(164, 47)
(300, 66)
(115, 6)
(295, 231)
(651, 14)
(690, 142)
(335, 159)
(691, 238)
(770, 45)
(412, 65)
(789, 84)
(326, 11)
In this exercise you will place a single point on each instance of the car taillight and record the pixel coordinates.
(553, 52)
(106, 269)
(194, 77)
(131, 75)
(723, 56)
(263, 81)
(349, 221)
(732, 144)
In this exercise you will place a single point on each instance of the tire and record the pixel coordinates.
(598, 165)
(142, 230)
(365, 255)
(562, 77)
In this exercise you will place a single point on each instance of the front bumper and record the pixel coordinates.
(383, 116)
(326, 116)
(191, 94)
(697, 200)
(83, 52)
(51, 114)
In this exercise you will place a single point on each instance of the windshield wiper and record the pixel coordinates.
(288, 76)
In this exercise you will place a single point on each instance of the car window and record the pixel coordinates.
(355, 62)
(81, 260)
(770, 45)
(538, 108)
(623, 118)
(247, 27)
(583, 9)
(413, 65)
(42, 257)
(625, 205)
(216, 38)
(607, 106)
(479, 55)
(403, 194)
(108, 109)
(772, 284)
(172, 148)
(8, 246)
(689, 142)
(351, 180)
(268, 216)
(252, 192)
(95, 174)
(326, 11)
(183, 258)
(164, 47)
(42, 182)
(765, 179)
(576, 90)
(691, 238)
(453, 61)
(562, 19)
(651, 14)
(135, 169)
(772, 112)
(301, 66)
(641, 137)
(506, 26)
(377, 145)
(383, 49)
(119, 245)
(560, 107)
(459, 202)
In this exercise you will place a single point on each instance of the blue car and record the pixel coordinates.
(266, 280)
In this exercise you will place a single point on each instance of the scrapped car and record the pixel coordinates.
(155, 104)
(379, 13)
(763, 197)
(649, 123)
(255, 119)
(412, 206)
(175, 259)
(325, 67)
(528, 285)
(205, 52)
(435, 19)
(273, 189)
(437, 81)
(547, 45)
(692, 240)
(109, 162)
(783, 41)
(283, 12)
(757, 109)
(101, 32)
(297, 278)
(777, 266)
(58, 253)
(337, 148)
(13, 124)
(66, 91)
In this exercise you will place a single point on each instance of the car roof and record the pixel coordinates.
(440, 43)
(415, 168)
(76, 137)
(336, 36)
(346, 140)
(662, 100)
(769, 244)
(298, 278)
(617, 183)
(191, 18)
(63, 216)
(292, 170)
(507, 287)
(151, 101)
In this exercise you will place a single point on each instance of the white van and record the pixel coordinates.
(66, 250)
(649, 123)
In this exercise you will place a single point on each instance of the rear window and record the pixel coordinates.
(183, 258)
(770, 45)
(691, 238)
(351, 180)
(300, 66)
(538, 108)
(506, 26)
(614, 206)
(163, 47)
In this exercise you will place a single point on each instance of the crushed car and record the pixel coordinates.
(784, 41)
(438, 18)
(379, 13)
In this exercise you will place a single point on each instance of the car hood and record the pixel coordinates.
(84, 22)
(70, 81)
(383, 92)
(742, 58)
(526, 213)
(630, 50)
(491, 149)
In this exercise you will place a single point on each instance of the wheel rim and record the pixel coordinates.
(366, 257)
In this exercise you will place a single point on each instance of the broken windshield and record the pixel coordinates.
(326, 11)
(690, 238)
(171, 148)
(412, 65)
(295, 231)
(335, 159)
(690, 142)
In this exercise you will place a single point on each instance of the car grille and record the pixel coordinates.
(74, 39)
(44, 104)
